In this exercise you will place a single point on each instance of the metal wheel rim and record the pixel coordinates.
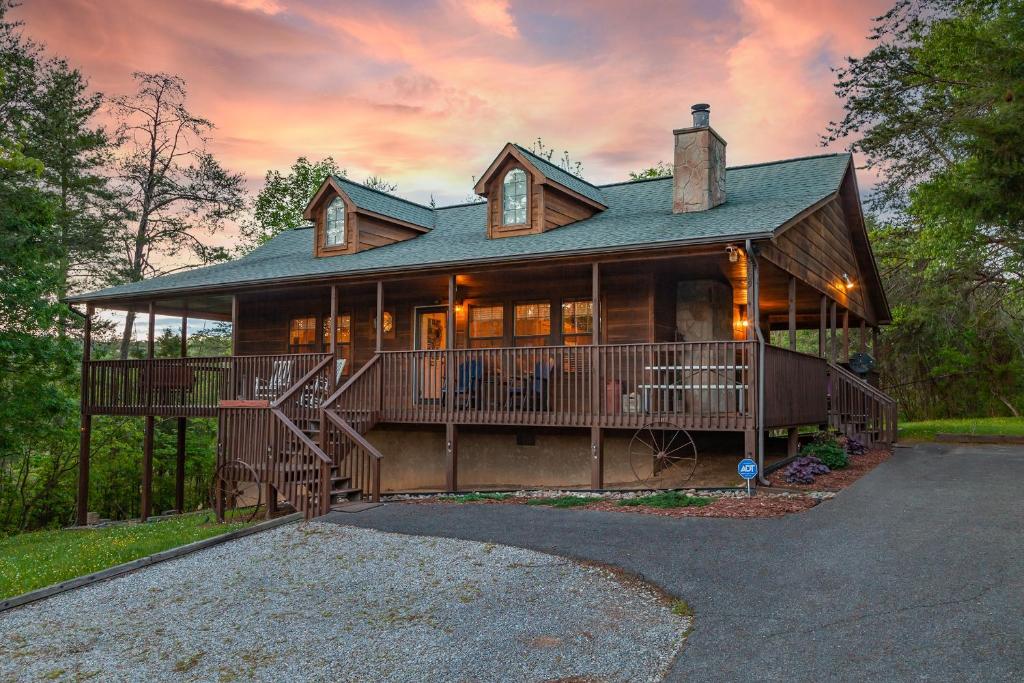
(226, 485)
(668, 449)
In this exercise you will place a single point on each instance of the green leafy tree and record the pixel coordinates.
(659, 170)
(279, 205)
(75, 153)
(176, 193)
(936, 110)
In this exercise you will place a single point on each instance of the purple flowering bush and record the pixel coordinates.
(803, 470)
(853, 446)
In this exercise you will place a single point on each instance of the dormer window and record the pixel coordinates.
(513, 198)
(334, 223)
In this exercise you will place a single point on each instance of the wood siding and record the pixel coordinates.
(819, 250)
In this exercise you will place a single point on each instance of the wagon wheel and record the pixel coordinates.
(661, 454)
(229, 491)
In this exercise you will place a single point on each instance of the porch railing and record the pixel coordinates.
(188, 387)
(705, 385)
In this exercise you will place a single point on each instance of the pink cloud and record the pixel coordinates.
(425, 94)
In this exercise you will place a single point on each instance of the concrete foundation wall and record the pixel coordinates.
(491, 458)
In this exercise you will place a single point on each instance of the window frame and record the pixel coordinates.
(516, 337)
(470, 339)
(526, 198)
(579, 338)
(337, 201)
(310, 347)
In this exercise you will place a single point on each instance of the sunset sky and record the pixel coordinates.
(425, 93)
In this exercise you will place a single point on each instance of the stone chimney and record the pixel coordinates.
(699, 167)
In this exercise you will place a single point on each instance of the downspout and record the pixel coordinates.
(755, 320)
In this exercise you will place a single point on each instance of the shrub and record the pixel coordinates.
(803, 470)
(853, 446)
(563, 501)
(667, 499)
(830, 453)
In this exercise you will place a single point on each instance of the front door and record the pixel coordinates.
(431, 335)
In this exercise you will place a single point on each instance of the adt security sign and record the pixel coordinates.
(748, 470)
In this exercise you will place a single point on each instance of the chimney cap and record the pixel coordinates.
(700, 107)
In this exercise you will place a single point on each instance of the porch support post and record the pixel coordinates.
(596, 433)
(863, 343)
(179, 469)
(596, 458)
(85, 427)
(846, 335)
(333, 325)
(792, 442)
(147, 446)
(451, 431)
(379, 332)
(833, 348)
(234, 324)
(792, 313)
(451, 447)
(821, 326)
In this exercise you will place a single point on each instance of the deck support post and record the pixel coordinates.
(234, 324)
(792, 442)
(846, 335)
(822, 325)
(85, 426)
(270, 495)
(793, 313)
(833, 347)
(179, 465)
(146, 507)
(596, 458)
(379, 332)
(451, 447)
(332, 373)
(750, 444)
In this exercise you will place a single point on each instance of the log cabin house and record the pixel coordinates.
(556, 334)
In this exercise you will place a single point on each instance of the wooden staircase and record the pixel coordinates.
(859, 410)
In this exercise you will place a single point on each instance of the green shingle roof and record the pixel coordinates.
(759, 199)
(563, 177)
(386, 204)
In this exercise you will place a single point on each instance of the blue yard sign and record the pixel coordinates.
(748, 470)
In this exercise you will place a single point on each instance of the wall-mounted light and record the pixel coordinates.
(847, 282)
(733, 252)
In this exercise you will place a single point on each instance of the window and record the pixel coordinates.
(342, 339)
(334, 224)
(387, 325)
(486, 326)
(302, 335)
(577, 322)
(533, 324)
(513, 197)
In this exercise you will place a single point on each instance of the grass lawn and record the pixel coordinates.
(41, 558)
(927, 429)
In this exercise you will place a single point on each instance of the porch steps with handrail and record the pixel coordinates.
(859, 410)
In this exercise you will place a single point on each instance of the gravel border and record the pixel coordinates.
(322, 601)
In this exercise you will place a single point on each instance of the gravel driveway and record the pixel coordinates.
(326, 602)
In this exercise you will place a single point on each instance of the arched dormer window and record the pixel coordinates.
(334, 223)
(513, 197)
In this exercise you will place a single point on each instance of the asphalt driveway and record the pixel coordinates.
(916, 572)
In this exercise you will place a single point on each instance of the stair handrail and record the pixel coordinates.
(330, 400)
(862, 384)
(280, 400)
(330, 416)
